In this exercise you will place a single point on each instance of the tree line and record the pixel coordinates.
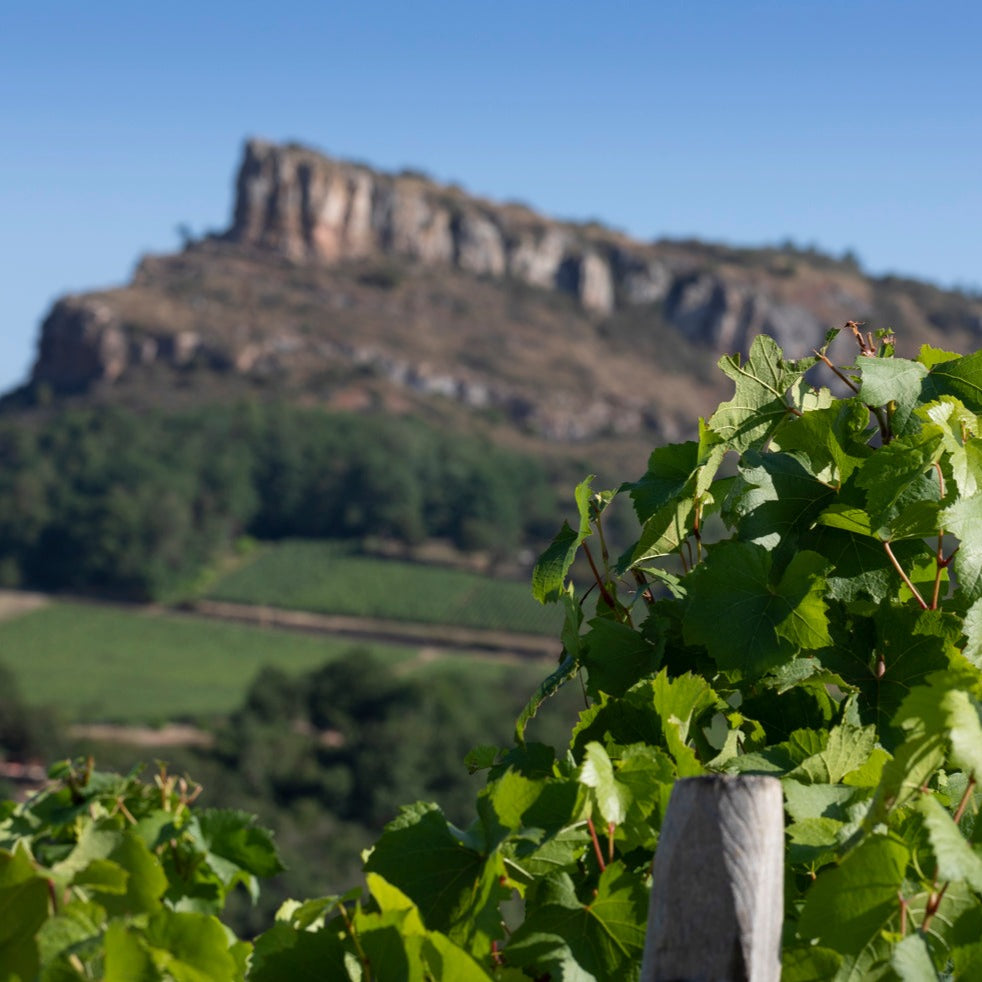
(135, 505)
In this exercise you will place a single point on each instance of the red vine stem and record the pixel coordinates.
(596, 844)
(966, 798)
(910, 586)
(604, 592)
(845, 378)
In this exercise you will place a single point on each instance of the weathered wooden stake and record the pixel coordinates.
(717, 895)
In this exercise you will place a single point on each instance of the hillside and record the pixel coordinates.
(342, 287)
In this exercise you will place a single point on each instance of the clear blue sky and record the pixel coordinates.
(846, 123)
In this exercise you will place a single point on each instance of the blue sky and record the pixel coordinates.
(851, 125)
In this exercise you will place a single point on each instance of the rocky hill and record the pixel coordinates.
(342, 286)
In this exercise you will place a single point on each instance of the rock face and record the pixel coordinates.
(311, 208)
(332, 271)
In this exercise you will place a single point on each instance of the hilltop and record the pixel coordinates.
(340, 286)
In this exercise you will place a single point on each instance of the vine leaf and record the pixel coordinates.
(601, 939)
(899, 484)
(964, 520)
(24, 908)
(616, 657)
(959, 377)
(896, 381)
(777, 496)
(611, 798)
(911, 960)
(549, 574)
(760, 403)
(956, 859)
(850, 904)
(747, 619)
(456, 888)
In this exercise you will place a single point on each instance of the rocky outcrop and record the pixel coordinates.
(311, 208)
(83, 340)
(331, 269)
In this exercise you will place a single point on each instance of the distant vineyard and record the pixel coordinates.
(330, 578)
(96, 662)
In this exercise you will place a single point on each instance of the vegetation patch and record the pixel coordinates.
(332, 578)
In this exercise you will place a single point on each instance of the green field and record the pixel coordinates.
(104, 663)
(330, 578)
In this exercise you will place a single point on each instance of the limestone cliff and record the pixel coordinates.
(346, 286)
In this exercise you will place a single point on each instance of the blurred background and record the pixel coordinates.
(285, 422)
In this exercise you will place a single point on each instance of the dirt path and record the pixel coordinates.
(13, 603)
(445, 637)
(386, 631)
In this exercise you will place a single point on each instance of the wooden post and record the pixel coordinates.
(717, 894)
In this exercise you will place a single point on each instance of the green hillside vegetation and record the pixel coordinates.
(137, 505)
(331, 578)
(106, 663)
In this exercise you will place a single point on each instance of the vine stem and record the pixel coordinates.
(910, 586)
(940, 560)
(845, 378)
(966, 798)
(596, 844)
(934, 901)
(604, 592)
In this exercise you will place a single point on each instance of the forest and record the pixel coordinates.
(136, 505)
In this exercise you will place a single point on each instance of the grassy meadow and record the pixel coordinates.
(103, 663)
(92, 662)
(331, 578)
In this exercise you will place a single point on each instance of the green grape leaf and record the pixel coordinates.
(908, 645)
(911, 766)
(959, 377)
(190, 947)
(747, 621)
(848, 748)
(127, 957)
(663, 533)
(968, 961)
(860, 563)
(930, 356)
(776, 498)
(551, 568)
(813, 842)
(849, 518)
(760, 403)
(670, 469)
(834, 440)
(283, 952)
(603, 938)
(611, 798)
(911, 960)
(549, 574)
(964, 519)
(972, 627)
(456, 888)
(616, 656)
(958, 426)
(896, 479)
(567, 669)
(945, 706)
(850, 904)
(893, 380)
(956, 859)
(812, 964)
(23, 909)
(233, 844)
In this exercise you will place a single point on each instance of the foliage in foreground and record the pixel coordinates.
(830, 635)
